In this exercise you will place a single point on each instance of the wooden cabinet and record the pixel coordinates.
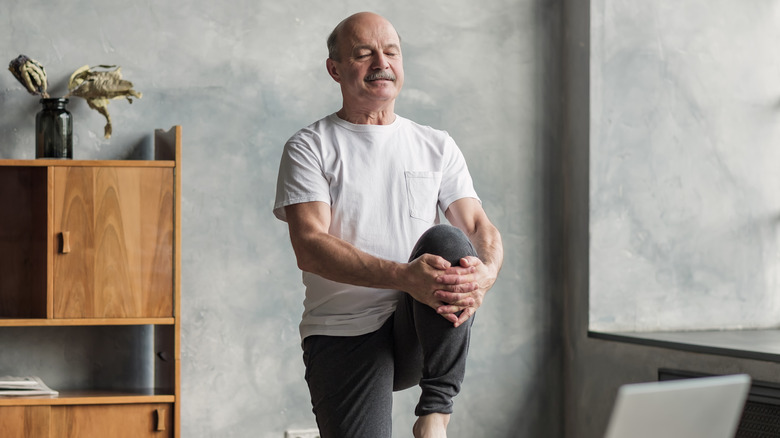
(95, 244)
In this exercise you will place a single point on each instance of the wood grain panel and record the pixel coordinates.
(120, 223)
(115, 421)
(73, 272)
(25, 421)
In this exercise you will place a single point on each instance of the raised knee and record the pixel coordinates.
(446, 241)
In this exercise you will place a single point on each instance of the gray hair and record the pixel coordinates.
(333, 45)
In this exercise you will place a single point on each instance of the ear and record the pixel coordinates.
(333, 69)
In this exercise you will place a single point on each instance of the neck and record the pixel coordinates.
(383, 116)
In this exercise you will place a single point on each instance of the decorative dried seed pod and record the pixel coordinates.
(31, 74)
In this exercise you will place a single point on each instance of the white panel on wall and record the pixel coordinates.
(685, 165)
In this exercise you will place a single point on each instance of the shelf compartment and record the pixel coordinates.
(111, 358)
(23, 242)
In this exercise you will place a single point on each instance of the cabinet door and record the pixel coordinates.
(113, 232)
(25, 421)
(114, 421)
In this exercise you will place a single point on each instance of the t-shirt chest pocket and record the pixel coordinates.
(422, 193)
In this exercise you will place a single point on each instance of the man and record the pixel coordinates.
(358, 189)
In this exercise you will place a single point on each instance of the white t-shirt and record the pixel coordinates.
(383, 184)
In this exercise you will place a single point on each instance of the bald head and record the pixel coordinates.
(346, 25)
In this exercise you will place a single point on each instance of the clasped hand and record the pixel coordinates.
(455, 292)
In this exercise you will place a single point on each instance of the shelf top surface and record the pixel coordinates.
(41, 322)
(91, 397)
(86, 163)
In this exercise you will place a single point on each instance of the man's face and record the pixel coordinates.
(370, 69)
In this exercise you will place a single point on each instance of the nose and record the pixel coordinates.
(380, 61)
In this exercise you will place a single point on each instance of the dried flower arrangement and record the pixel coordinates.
(97, 87)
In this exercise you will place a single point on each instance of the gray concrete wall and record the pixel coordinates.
(669, 193)
(241, 77)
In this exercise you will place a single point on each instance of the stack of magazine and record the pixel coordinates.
(24, 386)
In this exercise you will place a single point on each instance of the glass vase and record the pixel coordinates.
(54, 130)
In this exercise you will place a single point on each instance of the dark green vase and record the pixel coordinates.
(53, 130)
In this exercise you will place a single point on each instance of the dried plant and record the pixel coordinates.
(99, 87)
(31, 74)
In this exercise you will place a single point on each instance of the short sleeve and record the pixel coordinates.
(456, 182)
(301, 177)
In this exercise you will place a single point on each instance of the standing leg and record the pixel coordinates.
(429, 350)
(350, 380)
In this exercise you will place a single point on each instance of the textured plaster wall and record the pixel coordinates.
(670, 194)
(241, 77)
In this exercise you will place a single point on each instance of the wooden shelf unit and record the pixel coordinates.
(93, 243)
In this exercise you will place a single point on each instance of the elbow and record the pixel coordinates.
(305, 264)
(304, 259)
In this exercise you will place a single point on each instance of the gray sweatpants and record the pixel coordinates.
(351, 378)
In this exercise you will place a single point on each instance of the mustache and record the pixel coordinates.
(380, 75)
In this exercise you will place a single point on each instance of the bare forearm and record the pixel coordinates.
(337, 260)
(468, 215)
(490, 249)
